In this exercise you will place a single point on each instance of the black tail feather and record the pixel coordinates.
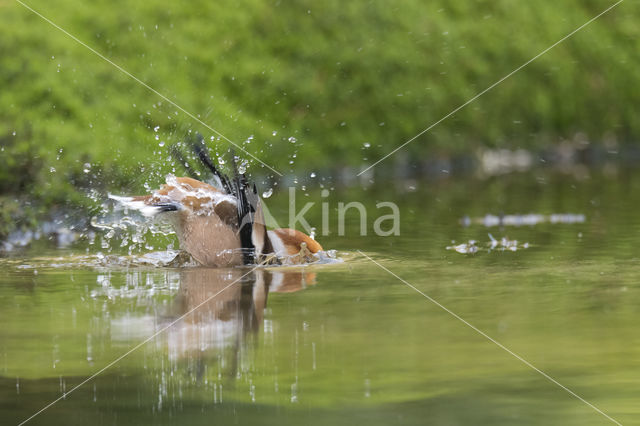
(246, 210)
(179, 158)
(200, 149)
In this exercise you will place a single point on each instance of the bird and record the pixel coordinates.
(222, 224)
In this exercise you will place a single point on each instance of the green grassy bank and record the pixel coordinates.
(349, 80)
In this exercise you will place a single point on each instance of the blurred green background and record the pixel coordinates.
(349, 81)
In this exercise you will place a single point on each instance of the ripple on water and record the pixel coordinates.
(159, 259)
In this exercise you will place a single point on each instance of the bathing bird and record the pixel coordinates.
(222, 224)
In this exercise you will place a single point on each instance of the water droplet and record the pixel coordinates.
(293, 140)
(274, 133)
(267, 193)
(312, 175)
(220, 161)
(161, 143)
(366, 145)
(155, 129)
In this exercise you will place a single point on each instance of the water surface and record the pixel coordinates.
(347, 342)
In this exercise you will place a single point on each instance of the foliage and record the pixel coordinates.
(333, 75)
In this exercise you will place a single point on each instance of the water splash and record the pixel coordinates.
(464, 248)
(503, 244)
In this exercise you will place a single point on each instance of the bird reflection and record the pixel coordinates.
(229, 312)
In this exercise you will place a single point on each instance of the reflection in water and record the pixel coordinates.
(228, 311)
(490, 220)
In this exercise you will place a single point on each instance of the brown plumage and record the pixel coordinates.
(294, 241)
(206, 221)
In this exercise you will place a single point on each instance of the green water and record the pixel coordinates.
(348, 343)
